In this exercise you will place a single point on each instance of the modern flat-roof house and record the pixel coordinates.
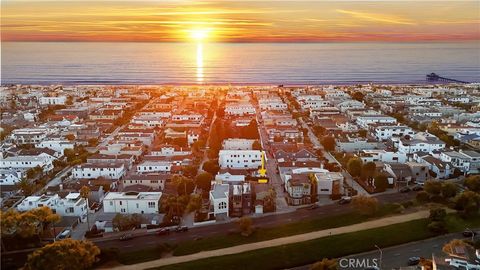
(328, 183)
(56, 145)
(239, 109)
(237, 144)
(383, 133)
(60, 100)
(365, 120)
(29, 135)
(132, 202)
(240, 159)
(26, 162)
(152, 166)
(114, 171)
(72, 205)
(155, 181)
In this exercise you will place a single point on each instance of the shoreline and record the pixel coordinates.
(246, 84)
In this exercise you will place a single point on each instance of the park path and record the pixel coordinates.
(279, 241)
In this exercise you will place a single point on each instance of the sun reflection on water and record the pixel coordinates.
(200, 63)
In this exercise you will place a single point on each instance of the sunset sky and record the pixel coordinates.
(240, 21)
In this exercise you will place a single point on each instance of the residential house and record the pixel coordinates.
(219, 200)
(113, 171)
(240, 159)
(132, 202)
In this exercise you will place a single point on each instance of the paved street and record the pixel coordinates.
(397, 256)
(271, 166)
(279, 241)
(331, 159)
(264, 221)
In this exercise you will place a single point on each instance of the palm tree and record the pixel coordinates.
(27, 187)
(84, 192)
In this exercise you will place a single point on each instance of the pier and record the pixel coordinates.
(433, 77)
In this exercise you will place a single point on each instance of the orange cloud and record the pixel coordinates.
(239, 21)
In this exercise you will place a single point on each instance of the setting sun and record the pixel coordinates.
(199, 34)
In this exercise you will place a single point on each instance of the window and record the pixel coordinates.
(123, 210)
(120, 202)
(111, 203)
(151, 204)
(222, 205)
(137, 205)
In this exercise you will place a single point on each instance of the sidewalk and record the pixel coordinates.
(279, 241)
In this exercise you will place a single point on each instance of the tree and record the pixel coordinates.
(127, 222)
(329, 143)
(381, 182)
(358, 96)
(33, 172)
(368, 170)
(256, 145)
(69, 100)
(433, 188)
(27, 224)
(325, 264)
(354, 166)
(65, 254)
(468, 202)
(211, 166)
(85, 193)
(366, 205)
(270, 200)
(184, 185)
(204, 181)
(190, 170)
(437, 220)
(449, 190)
(422, 196)
(449, 248)
(92, 142)
(174, 206)
(473, 183)
(70, 137)
(251, 131)
(245, 225)
(362, 133)
(26, 186)
(194, 204)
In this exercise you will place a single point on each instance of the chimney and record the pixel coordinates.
(60, 186)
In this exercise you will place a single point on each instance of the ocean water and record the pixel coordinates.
(190, 63)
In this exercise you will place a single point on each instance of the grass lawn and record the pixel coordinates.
(328, 247)
(311, 251)
(261, 234)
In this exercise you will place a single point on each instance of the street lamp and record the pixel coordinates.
(381, 255)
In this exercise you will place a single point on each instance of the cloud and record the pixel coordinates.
(376, 17)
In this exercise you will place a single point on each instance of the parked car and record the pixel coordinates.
(66, 233)
(405, 190)
(469, 233)
(163, 231)
(181, 229)
(345, 200)
(126, 236)
(313, 206)
(413, 261)
(417, 188)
